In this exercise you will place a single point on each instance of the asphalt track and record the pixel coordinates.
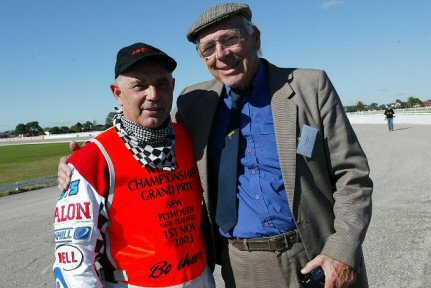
(397, 247)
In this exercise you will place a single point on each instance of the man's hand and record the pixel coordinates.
(337, 274)
(64, 171)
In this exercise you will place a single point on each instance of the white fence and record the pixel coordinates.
(41, 138)
(73, 135)
(420, 115)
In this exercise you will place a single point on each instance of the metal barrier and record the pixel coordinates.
(411, 111)
(27, 183)
(400, 118)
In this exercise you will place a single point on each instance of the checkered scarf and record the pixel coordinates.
(151, 147)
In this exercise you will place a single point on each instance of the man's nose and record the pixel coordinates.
(153, 93)
(221, 51)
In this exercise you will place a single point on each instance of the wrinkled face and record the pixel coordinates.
(145, 92)
(233, 65)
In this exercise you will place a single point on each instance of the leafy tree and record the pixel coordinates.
(34, 129)
(76, 128)
(55, 130)
(360, 106)
(351, 109)
(373, 106)
(64, 129)
(108, 121)
(87, 126)
(414, 102)
(21, 129)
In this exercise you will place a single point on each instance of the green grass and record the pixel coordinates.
(30, 161)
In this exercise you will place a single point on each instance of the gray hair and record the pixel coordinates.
(118, 79)
(249, 27)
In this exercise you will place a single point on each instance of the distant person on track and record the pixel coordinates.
(132, 214)
(389, 113)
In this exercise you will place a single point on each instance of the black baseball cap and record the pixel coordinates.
(130, 55)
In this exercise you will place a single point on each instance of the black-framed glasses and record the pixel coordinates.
(229, 39)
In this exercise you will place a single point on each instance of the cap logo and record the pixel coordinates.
(143, 50)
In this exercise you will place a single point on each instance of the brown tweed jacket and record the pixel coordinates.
(329, 193)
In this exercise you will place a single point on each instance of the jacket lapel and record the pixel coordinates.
(284, 112)
(202, 138)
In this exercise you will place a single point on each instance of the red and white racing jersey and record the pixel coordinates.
(142, 226)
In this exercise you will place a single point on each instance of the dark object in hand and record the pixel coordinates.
(314, 279)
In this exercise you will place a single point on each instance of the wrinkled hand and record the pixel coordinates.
(337, 274)
(64, 171)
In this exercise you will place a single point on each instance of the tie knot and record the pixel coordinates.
(236, 94)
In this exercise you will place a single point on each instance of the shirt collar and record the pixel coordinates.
(158, 157)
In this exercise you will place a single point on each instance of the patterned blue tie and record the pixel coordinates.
(226, 213)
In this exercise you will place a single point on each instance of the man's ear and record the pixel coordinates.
(173, 83)
(256, 37)
(117, 93)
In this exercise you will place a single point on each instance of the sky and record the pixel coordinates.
(57, 57)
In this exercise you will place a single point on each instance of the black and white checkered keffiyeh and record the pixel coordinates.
(151, 147)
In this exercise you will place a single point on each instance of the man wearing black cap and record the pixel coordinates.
(299, 194)
(132, 214)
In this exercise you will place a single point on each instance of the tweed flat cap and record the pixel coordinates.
(216, 14)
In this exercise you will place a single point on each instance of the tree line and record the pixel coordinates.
(33, 128)
(412, 102)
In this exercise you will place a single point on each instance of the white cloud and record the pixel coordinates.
(331, 3)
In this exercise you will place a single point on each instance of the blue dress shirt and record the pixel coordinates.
(263, 208)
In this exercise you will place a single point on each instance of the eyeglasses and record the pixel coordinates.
(229, 39)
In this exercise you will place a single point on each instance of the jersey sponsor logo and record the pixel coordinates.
(72, 211)
(60, 281)
(73, 234)
(72, 190)
(68, 257)
(82, 233)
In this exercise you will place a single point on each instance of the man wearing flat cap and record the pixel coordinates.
(285, 181)
(132, 214)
